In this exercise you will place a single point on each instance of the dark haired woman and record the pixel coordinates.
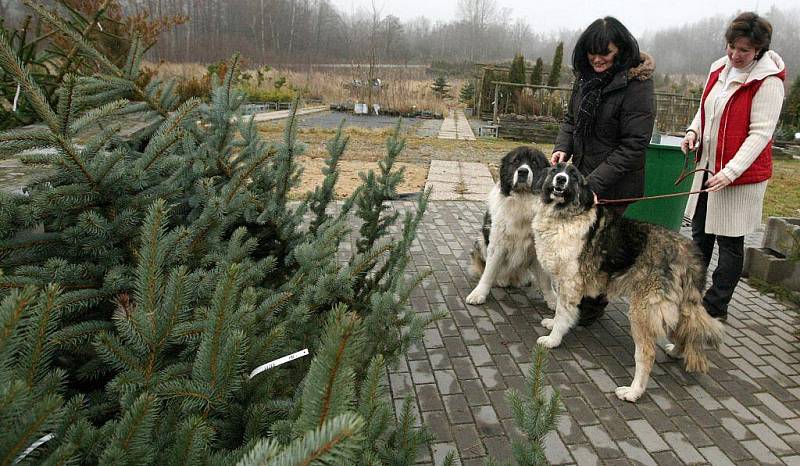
(732, 132)
(609, 120)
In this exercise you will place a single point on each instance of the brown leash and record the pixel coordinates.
(682, 176)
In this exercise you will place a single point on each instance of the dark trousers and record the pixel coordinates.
(729, 265)
(592, 309)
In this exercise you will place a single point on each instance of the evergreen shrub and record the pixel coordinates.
(145, 278)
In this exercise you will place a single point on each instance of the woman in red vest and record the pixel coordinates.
(732, 133)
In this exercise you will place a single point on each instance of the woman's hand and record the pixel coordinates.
(558, 156)
(689, 142)
(717, 182)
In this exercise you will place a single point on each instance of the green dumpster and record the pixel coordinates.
(662, 167)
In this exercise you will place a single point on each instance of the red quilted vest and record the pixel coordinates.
(734, 127)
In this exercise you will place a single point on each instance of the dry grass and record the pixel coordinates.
(414, 176)
(167, 70)
(404, 89)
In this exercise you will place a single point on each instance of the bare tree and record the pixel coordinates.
(477, 14)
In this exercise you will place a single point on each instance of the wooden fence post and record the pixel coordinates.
(496, 101)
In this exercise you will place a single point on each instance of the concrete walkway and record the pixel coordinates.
(745, 411)
(456, 126)
(281, 114)
(453, 180)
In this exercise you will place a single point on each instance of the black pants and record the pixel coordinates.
(729, 266)
(592, 309)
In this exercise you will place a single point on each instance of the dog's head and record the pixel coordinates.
(567, 188)
(522, 170)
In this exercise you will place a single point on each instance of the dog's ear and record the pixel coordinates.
(539, 177)
(546, 184)
(507, 173)
(540, 161)
(586, 195)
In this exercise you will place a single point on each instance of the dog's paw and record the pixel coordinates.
(549, 341)
(477, 296)
(552, 303)
(628, 393)
(548, 323)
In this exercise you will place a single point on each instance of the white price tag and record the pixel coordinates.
(100, 26)
(278, 362)
(16, 99)
(33, 446)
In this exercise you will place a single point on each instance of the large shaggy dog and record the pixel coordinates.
(505, 254)
(589, 250)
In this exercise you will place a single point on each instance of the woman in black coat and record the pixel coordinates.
(609, 120)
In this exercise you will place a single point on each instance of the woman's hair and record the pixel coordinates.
(595, 40)
(750, 26)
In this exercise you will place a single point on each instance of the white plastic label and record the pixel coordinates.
(16, 99)
(278, 362)
(33, 446)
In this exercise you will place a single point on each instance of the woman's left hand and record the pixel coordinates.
(717, 182)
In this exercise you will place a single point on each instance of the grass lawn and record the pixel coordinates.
(783, 191)
(368, 145)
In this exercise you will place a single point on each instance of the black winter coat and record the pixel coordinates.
(613, 158)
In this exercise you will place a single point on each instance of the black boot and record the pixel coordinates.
(591, 309)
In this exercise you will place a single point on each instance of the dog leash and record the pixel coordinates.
(682, 176)
(645, 198)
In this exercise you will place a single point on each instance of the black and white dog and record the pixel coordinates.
(505, 254)
(589, 250)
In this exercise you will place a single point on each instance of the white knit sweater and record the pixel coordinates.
(736, 210)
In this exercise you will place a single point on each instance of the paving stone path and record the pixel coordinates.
(745, 411)
(456, 126)
(454, 180)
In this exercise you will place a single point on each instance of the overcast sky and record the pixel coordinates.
(551, 16)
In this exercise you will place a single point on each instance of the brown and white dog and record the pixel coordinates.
(505, 255)
(589, 250)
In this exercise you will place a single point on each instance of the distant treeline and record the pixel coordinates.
(315, 31)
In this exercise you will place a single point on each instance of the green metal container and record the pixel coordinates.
(662, 167)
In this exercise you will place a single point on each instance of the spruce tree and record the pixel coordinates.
(536, 74)
(555, 71)
(145, 277)
(791, 108)
(534, 414)
(517, 72)
(440, 87)
(467, 94)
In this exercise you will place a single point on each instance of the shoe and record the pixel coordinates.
(591, 309)
(721, 316)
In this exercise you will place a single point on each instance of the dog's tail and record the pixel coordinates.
(479, 247)
(478, 258)
(696, 330)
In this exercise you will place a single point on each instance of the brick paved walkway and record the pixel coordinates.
(745, 411)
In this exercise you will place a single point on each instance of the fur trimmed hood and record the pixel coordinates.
(645, 69)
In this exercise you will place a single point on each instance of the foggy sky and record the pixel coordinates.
(551, 16)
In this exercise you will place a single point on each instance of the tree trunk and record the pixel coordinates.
(263, 32)
(291, 28)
